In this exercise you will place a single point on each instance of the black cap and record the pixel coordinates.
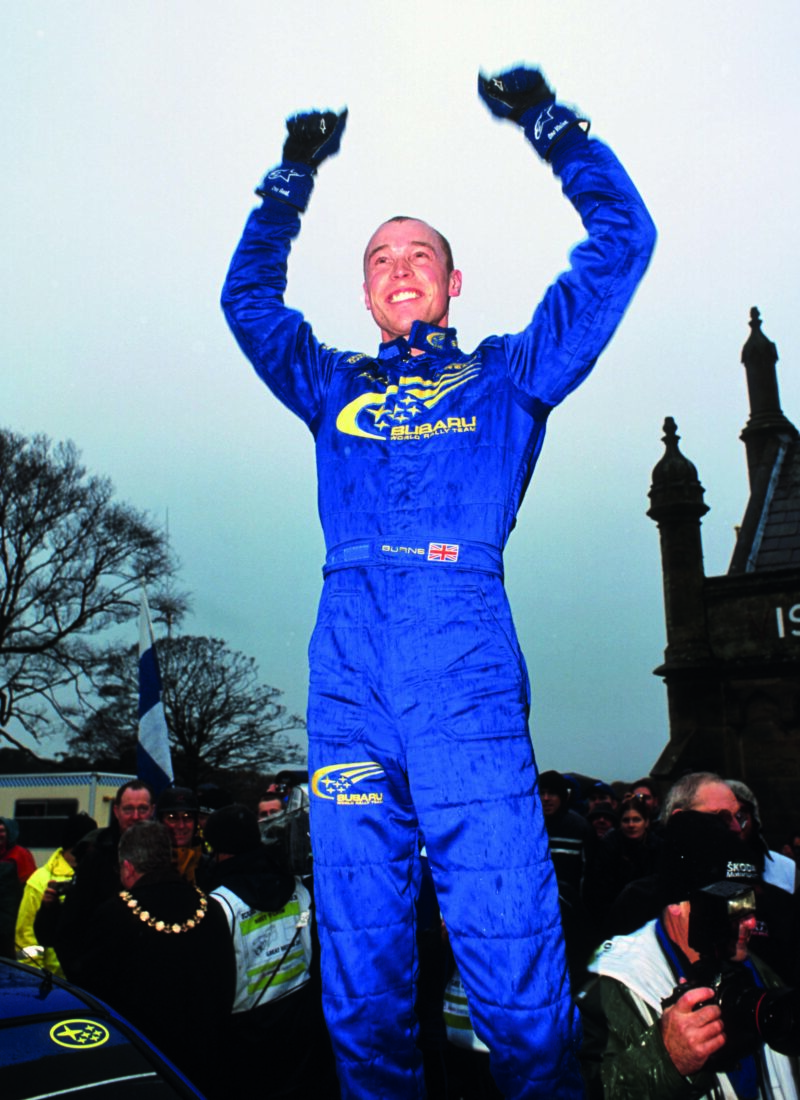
(555, 782)
(176, 798)
(600, 788)
(603, 809)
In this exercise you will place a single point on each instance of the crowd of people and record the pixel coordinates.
(193, 915)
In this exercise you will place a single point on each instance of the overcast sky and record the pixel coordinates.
(133, 135)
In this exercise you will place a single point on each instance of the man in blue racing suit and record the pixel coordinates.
(419, 696)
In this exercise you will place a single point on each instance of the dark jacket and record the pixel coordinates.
(289, 1033)
(10, 897)
(619, 862)
(623, 1054)
(573, 844)
(64, 926)
(175, 986)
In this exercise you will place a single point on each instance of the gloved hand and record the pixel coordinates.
(523, 96)
(511, 94)
(312, 136)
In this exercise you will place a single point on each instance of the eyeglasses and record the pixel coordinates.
(136, 811)
(740, 817)
(173, 817)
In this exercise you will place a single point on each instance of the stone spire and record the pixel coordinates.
(766, 427)
(675, 491)
(677, 506)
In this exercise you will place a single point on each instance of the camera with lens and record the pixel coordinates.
(751, 1015)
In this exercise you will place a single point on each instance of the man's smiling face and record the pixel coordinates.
(407, 277)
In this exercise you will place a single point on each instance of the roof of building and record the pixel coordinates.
(769, 537)
(776, 544)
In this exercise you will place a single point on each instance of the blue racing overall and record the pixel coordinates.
(419, 696)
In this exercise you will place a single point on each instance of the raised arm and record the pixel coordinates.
(277, 340)
(582, 308)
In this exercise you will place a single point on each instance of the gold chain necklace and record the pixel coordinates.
(164, 926)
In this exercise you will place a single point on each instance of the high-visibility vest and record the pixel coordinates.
(457, 1020)
(266, 966)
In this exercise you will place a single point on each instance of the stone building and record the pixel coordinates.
(732, 661)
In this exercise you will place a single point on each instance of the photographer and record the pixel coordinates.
(643, 1036)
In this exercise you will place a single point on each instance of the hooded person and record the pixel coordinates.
(12, 852)
(278, 1001)
(59, 869)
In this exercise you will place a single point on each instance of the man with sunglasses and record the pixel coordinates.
(178, 808)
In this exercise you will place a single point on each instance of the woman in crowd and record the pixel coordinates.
(627, 853)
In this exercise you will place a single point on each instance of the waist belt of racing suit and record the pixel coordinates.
(420, 552)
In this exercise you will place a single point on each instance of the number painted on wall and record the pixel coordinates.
(788, 620)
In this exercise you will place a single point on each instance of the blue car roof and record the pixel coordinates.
(57, 1040)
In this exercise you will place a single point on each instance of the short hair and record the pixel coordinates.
(645, 782)
(147, 846)
(682, 795)
(636, 803)
(443, 241)
(744, 794)
(133, 785)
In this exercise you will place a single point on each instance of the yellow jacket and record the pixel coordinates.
(56, 868)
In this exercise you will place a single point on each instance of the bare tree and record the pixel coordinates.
(218, 712)
(71, 563)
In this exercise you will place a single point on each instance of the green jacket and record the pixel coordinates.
(623, 1056)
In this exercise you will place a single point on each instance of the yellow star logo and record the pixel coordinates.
(79, 1034)
(69, 1032)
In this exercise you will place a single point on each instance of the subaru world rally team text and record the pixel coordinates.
(419, 696)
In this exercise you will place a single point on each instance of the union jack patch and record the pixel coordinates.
(442, 551)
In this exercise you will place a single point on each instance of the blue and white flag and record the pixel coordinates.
(153, 758)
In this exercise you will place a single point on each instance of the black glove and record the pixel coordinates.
(312, 136)
(523, 96)
(511, 94)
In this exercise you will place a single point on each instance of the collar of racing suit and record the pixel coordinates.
(423, 337)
